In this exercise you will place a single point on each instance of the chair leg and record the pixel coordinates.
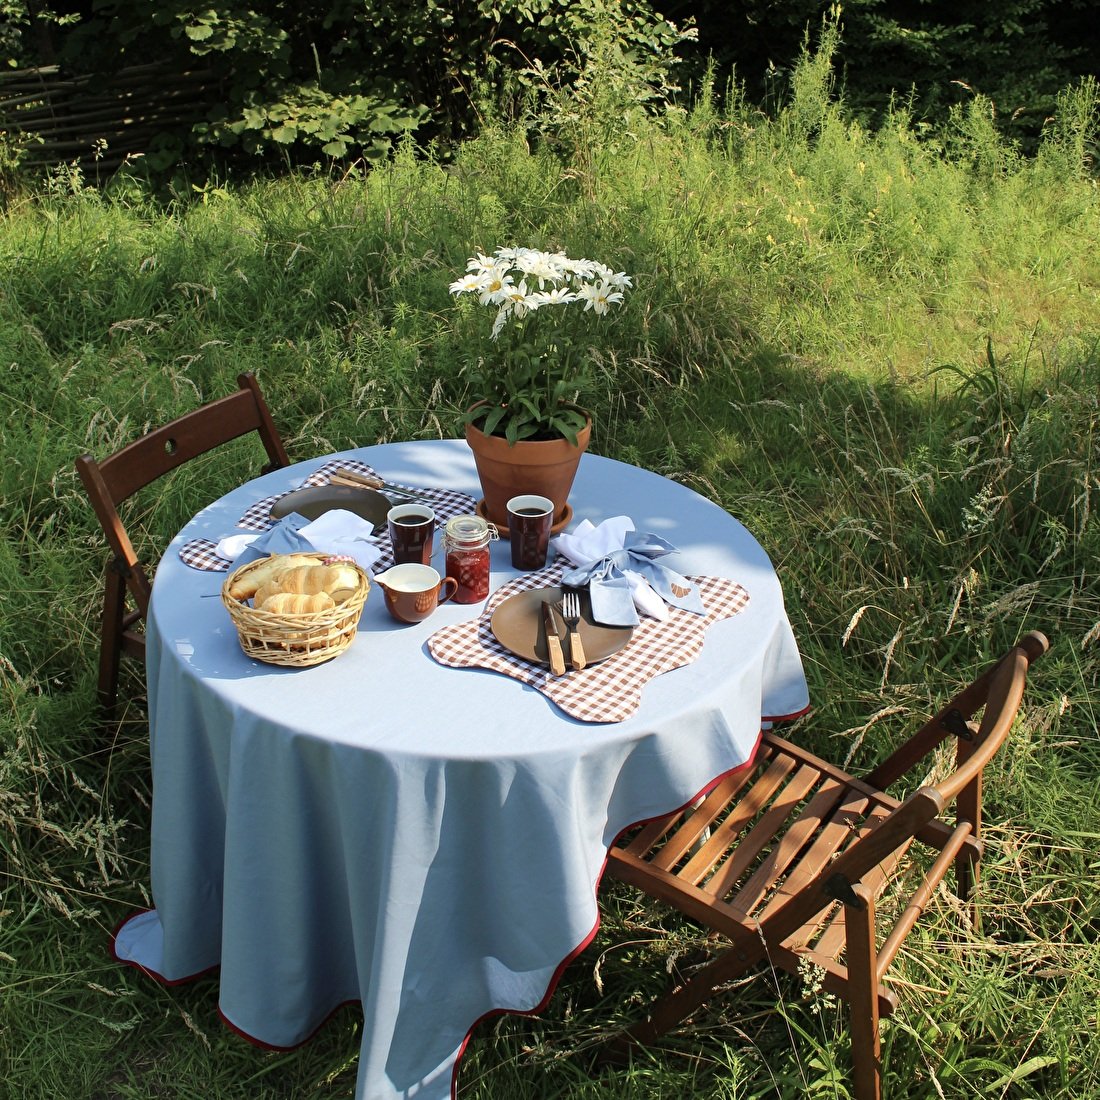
(669, 1010)
(859, 924)
(967, 869)
(110, 648)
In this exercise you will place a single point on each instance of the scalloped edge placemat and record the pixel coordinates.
(202, 553)
(611, 690)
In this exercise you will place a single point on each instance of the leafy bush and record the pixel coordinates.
(345, 79)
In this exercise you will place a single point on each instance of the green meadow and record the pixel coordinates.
(879, 349)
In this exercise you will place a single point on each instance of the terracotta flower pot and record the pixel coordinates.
(543, 467)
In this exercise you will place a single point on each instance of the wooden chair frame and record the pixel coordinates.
(113, 480)
(787, 858)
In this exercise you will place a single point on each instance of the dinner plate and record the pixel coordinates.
(517, 625)
(318, 499)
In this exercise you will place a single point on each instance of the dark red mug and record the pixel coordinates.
(530, 519)
(412, 528)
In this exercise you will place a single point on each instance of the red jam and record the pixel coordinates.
(470, 568)
(466, 540)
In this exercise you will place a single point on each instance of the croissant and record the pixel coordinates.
(297, 603)
(244, 588)
(339, 581)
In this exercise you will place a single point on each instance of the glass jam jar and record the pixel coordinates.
(466, 543)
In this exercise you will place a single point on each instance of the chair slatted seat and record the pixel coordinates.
(791, 858)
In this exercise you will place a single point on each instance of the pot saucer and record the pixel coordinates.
(502, 528)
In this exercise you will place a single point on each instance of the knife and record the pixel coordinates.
(356, 480)
(553, 640)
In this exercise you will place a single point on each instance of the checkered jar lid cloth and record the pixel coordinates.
(611, 690)
(202, 553)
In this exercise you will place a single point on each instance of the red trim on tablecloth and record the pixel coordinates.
(786, 717)
(293, 1046)
(554, 980)
(583, 945)
(159, 978)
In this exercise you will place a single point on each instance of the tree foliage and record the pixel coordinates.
(308, 79)
(335, 78)
(935, 54)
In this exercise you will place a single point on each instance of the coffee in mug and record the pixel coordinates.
(530, 519)
(411, 527)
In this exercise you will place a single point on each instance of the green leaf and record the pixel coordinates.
(493, 418)
(565, 428)
(1025, 1069)
(530, 406)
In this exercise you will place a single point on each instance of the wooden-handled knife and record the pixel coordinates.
(553, 640)
(356, 480)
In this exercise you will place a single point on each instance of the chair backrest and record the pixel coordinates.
(1000, 691)
(113, 480)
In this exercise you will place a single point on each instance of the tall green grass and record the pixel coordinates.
(879, 349)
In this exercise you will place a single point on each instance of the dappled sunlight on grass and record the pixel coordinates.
(879, 350)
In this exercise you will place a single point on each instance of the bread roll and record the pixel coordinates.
(339, 581)
(244, 588)
(296, 580)
(297, 603)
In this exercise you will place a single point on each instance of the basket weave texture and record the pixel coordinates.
(295, 640)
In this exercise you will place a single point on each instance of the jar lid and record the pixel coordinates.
(469, 530)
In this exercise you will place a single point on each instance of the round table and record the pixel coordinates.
(424, 840)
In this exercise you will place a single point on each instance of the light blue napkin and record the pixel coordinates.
(337, 532)
(284, 538)
(611, 590)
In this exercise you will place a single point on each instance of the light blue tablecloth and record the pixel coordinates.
(423, 839)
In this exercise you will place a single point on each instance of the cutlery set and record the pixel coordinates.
(569, 608)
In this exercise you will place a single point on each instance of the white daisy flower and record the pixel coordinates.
(558, 296)
(599, 296)
(467, 284)
(500, 320)
(495, 287)
(481, 263)
(543, 266)
(518, 300)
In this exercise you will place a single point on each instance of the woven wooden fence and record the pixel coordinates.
(99, 121)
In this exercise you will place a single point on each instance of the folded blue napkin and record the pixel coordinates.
(284, 538)
(334, 532)
(612, 585)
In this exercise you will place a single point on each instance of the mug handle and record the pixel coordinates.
(447, 589)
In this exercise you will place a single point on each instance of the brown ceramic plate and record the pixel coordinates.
(318, 499)
(517, 625)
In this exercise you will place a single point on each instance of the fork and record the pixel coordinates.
(571, 613)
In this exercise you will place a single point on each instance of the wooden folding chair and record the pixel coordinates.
(115, 479)
(788, 858)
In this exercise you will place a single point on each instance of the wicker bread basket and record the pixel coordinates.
(295, 640)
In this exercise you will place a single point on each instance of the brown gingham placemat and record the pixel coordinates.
(611, 690)
(202, 553)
